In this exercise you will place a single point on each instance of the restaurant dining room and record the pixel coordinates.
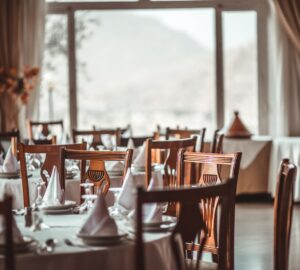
(149, 134)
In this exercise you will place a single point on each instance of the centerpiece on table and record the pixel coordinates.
(237, 129)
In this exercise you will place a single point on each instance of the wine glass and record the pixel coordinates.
(37, 214)
(88, 197)
(114, 210)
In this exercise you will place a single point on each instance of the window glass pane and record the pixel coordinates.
(240, 67)
(54, 97)
(146, 68)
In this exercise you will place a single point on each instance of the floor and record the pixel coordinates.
(254, 237)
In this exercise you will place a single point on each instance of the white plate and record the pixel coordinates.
(155, 167)
(165, 220)
(161, 228)
(67, 205)
(57, 211)
(115, 173)
(9, 175)
(28, 243)
(92, 240)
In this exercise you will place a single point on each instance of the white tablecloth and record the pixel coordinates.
(286, 147)
(14, 187)
(158, 254)
(250, 148)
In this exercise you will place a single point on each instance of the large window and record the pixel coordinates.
(54, 93)
(185, 63)
(240, 54)
(146, 68)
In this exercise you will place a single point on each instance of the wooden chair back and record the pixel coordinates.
(165, 152)
(53, 140)
(12, 137)
(187, 133)
(210, 165)
(138, 141)
(191, 222)
(51, 159)
(217, 143)
(45, 130)
(283, 213)
(96, 171)
(6, 212)
(96, 135)
(122, 130)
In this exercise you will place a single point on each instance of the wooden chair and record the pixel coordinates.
(51, 159)
(96, 135)
(122, 130)
(165, 152)
(217, 143)
(210, 165)
(45, 131)
(96, 171)
(6, 212)
(187, 133)
(283, 213)
(190, 222)
(138, 141)
(12, 137)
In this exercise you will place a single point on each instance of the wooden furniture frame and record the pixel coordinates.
(96, 171)
(283, 213)
(12, 136)
(122, 130)
(96, 134)
(52, 159)
(190, 219)
(210, 165)
(217, 143)
(138, 141)
(45, 129)
(6, 212)
(170, 160)
(187, 133)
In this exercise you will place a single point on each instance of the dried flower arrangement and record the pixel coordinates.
(18, 86)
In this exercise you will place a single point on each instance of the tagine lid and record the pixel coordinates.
(237, 129)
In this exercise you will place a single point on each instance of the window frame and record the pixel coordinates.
(259, 6)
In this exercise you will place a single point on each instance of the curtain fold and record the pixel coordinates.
(21, 43)
(289, 14)
(284, 69)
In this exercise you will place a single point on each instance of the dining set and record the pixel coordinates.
(106, 199)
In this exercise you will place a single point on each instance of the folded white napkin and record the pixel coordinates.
(10, 163)
(130, 144)
(114, 165)
(126, 198)
(156, 181)
(54, 194)
(17, 236)
(152, 212)
(99, 223)
(140, 160)
(65, 139)
(1, 159)
(108, 141)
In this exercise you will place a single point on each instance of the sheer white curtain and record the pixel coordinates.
(21, 43)
(284, 79)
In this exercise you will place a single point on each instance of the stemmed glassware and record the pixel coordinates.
(88, 197)
(37, 214)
